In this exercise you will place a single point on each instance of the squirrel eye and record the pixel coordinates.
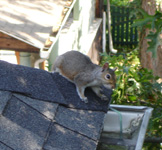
(108, 76)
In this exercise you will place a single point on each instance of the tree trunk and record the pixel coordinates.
(146, 57)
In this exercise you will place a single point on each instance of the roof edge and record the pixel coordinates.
(20, 39)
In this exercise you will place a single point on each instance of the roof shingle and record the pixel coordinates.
(40, 110)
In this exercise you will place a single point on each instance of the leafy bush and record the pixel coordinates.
(136, 86)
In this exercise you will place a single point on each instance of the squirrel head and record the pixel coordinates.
(108, 76)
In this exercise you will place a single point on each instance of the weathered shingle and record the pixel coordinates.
(4, 147)
(85, 122)
(26, 117)
(40, 110)
(17, 137)
(4, 97)
(48, 109)
(62, 138)
(31, 82)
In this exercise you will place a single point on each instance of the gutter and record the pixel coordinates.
(134, 125)
(45, 53)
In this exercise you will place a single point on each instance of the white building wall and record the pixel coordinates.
(74, 36)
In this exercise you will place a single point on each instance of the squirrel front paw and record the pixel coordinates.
(80, 91)
(103, 97)
(84, 99)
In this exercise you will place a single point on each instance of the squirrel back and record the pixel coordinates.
(71, 63)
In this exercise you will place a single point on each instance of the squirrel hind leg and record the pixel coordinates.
(57, 70)
(57, 64)
(80, 91)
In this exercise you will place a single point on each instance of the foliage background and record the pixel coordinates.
(137, 85)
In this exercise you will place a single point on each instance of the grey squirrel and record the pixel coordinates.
(79, 69)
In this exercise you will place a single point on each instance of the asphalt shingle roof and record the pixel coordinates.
(42, 111)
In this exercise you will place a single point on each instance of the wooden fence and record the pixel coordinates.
(124, 36)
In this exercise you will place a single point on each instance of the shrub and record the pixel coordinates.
(136, 86)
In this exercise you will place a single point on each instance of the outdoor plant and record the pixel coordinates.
(154, 23)
(136, 86)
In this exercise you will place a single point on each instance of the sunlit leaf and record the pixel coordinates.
(132, 98)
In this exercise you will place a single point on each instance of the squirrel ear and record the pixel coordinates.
(105, 66)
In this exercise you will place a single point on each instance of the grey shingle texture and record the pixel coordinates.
(4, 97)
(85, 122)
(61, 138)
(4, 147)
(40, 110)
(29, 81)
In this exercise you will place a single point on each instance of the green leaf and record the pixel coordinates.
(145, 20)
(143, 12)
(151, 22)
(154, 43)
(132, 98)
(142, 22)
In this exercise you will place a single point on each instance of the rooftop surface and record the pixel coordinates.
(42, 111)
(32, 21)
